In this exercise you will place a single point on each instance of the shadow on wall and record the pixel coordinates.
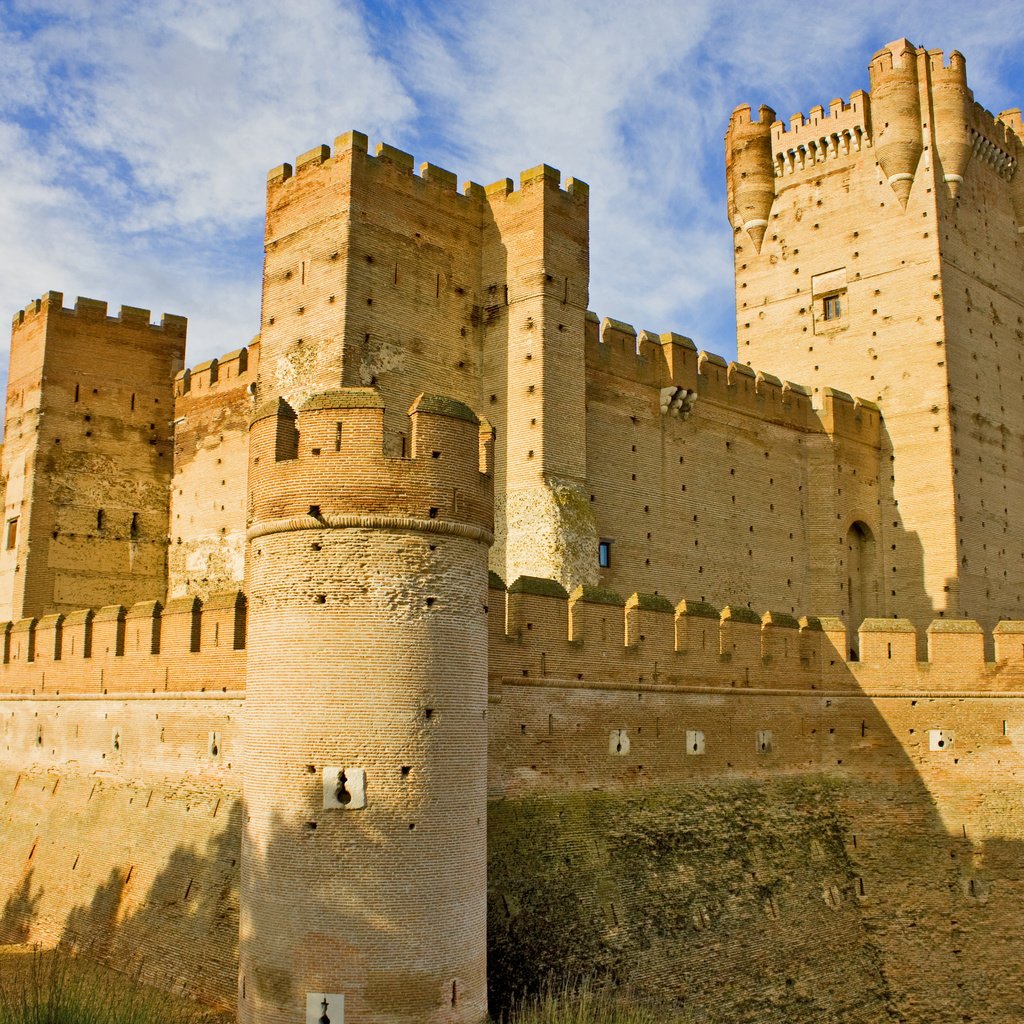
(844, 874)
(897, 572)
(18, 913)
(182, 935)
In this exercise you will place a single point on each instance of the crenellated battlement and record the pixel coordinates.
(893, 129)
(949, 68)
(683, 376)
(218, 373)
(899, 55)
(187, 645)
(596, 637)
(326, 465)
(1012, 119)
(743, 115)
(995, 142)
(822, 136)
(96, 309)
(354, 146)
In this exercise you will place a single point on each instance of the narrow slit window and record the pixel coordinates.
(337, 437)
(12, 533)
(604, 554)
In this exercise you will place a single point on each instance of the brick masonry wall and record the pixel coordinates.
(847, 871)
(212, 407)
(89, 411)
(367, 660)
(749, 495)
(128, 851)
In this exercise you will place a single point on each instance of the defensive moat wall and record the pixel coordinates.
(675, 794)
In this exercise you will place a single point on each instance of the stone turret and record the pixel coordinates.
(896, 115)
(750, 173)
(953, 103)
(363, 889)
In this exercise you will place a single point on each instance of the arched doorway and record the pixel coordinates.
(861, 581)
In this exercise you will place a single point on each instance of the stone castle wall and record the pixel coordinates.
(212, 406)
(825, 857)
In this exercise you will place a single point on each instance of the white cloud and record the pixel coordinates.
(197, 100)
(136, 140)
(635, 100)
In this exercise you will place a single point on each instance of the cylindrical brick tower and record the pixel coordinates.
(896, 115)
(363, 894)
(953, 105)
(750, 171)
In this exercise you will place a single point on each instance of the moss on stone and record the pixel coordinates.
(537, 585)
(667, 889)
(699, 609)
(954, 626)
(783, 619)
(441, 405)
(887, 626)
(1009, 626)
(741, 613)
(650, 603)
(345, 398)
(597, 595)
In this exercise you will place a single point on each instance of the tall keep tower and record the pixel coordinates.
(878, 249)
(378, 276)
(363, 893)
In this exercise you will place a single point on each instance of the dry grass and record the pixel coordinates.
(52, 986)
(591, 1002)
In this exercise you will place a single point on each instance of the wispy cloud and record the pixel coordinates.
(636, 99)
(134, 139)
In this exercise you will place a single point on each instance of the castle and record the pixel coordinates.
(535, 642)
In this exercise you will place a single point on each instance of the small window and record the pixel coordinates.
(832, 307)
(604, 554)
(12, 533)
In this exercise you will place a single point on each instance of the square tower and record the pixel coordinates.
(378, 276)
(87, 456)
(878, 250)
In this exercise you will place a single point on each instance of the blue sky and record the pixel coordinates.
(135, 137)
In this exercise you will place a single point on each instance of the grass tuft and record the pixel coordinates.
(54, 987)
(592, 1002)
